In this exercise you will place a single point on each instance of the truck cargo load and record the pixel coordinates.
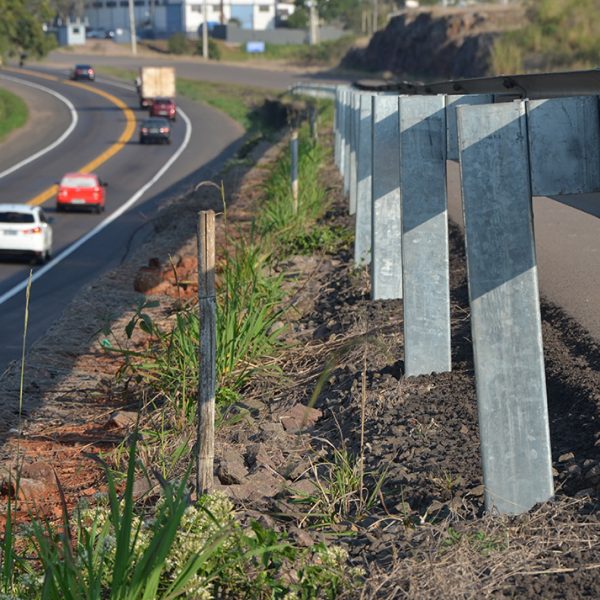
(155, 82)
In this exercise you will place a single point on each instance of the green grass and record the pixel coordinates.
(13, 113)
(324, 54)
(240, 102)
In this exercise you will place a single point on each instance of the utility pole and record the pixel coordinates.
(204, 29)
(132, 33)
(375, 15)
(313, 31)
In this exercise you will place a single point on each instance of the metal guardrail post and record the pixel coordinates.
(425, 263)
(362, 236)
(336, 126)
(564, 145)
(347, 139)
(343, 119)
(386, 229)
(354, 131)
(451, 103)
(505, 310)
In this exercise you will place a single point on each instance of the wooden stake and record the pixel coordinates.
(205, 442)
(294, 168)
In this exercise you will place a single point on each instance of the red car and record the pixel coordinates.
(163, 107)
(83, 190)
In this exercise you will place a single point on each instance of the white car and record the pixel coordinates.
(25, 229)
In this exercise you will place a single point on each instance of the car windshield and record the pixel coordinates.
(16, 217)
(83, 67)
(155, 123)
(78, 181)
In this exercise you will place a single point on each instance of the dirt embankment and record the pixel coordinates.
(436, 44)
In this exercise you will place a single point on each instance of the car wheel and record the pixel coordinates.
(142, 140)
(98, 209)
(59, 208)
(168, 140)
(42, 257)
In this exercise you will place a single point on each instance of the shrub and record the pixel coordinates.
(178, 44)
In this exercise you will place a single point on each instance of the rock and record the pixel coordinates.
(300, 417)
(231, 469)
(593, 475)
(122, 419)
(257, 455)
(566, 457)
(302, 537)
(477, 491)
(303, 487)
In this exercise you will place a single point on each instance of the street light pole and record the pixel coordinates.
(204, 29)
(132, 34)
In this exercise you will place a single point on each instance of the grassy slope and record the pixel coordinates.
(236, 101)
(557, 35)
(13, 113)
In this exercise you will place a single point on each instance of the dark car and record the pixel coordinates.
(163, 107)
(155, 129)
(83, 72)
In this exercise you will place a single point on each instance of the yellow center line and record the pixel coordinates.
(125, 136)
(32, 73)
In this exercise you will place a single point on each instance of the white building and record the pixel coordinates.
(172, 16)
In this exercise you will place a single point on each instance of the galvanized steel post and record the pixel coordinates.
(452, 102)
(353, 181)
(386, 213)
(505, 310)
(425, 264)
(362, 236)
(347, 139)
(564, 145)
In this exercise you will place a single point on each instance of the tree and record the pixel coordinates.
(21, 26)
(348, 12)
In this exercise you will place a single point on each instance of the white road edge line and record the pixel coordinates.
(104, 224)
(55, 143)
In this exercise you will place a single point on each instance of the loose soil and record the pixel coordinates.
(426, 534)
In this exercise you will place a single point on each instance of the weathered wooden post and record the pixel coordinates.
(294, 168)
(207, 305)
(312, 121)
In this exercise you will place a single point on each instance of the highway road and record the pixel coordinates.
(103, 139)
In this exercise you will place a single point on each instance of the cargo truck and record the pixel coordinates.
(155, 82)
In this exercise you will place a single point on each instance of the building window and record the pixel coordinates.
(124, 3)
(216, 9)
(196, 8)
(264, 8)
(139, 3)
(76, 30)
(97, 4)
(111, 4)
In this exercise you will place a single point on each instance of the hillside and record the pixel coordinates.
(437, 43)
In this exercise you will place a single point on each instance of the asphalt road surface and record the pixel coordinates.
(213, 138)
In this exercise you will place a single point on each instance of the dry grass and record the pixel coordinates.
(482, 557)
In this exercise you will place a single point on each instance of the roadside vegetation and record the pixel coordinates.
(13, 112)
(557, 35)
(21, 27)
(324, 54)
(164, 545)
